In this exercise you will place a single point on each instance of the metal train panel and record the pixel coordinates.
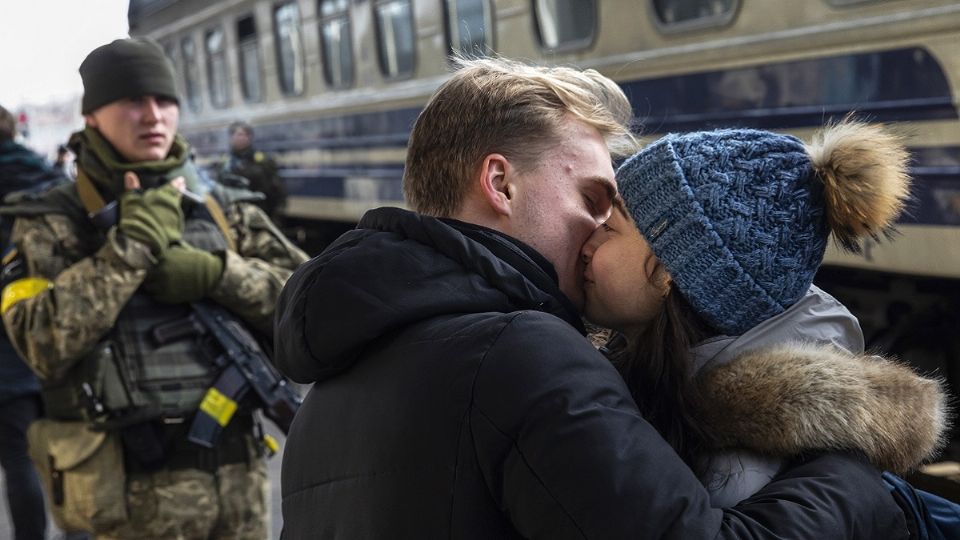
(786, 66)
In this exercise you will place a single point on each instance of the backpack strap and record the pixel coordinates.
(92, 200)
(216, 212)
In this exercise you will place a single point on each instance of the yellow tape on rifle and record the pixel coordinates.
(218, 406)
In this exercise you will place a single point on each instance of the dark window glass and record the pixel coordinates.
(468, 22)
(694, 12)
(286, 21)
(219, 81)
(248, 51)
(335, 43)
(395, 37)
(191, 73)
(566, 24)
(170, 51)
(881, 86)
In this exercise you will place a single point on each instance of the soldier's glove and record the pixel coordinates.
(185, 274)
(153, 217)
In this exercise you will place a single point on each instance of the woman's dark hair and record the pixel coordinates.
(657, 368)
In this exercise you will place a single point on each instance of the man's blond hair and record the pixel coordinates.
(496, 105)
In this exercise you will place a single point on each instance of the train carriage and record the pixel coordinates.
(333, 87)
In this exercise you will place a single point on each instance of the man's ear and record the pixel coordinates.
(91, 121)
(496, 183)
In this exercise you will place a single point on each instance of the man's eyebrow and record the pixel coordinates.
(608, 185)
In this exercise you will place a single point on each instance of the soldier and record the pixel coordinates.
(101, 266)
(258, 168)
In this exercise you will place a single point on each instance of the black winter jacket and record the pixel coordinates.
(456, 398)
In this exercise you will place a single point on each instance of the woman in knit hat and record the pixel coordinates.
(706, 271)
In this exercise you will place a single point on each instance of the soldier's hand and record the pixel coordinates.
(185, 274)
(153, 217)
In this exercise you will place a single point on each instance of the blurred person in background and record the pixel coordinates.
(20, 169)
(258, 168)
(63, 162)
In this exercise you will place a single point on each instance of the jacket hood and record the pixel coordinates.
(13, 153)
(397, 269)
(22, 170)
(816, 318)
(791, 398)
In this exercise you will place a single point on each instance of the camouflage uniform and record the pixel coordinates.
(189, 503)
(82, 289)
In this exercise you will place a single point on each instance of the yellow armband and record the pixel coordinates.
(22, 289)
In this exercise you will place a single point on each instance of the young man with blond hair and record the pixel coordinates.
(454, 393)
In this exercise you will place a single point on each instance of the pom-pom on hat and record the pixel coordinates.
(125, 68)
(740, 218)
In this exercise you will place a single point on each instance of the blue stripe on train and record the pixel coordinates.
(381, 129)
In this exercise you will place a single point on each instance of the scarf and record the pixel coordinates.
(105, 167)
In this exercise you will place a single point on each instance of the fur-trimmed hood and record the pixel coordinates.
(786, 399)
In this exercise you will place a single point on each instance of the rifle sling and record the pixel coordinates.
(216, 212)
(92, 200)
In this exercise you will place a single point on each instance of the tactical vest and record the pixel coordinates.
(132, 375)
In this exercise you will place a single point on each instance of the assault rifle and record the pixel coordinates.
(245, 367)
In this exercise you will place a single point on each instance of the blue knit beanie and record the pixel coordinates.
(740, 218)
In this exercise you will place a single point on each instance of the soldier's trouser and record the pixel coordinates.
(189, 504)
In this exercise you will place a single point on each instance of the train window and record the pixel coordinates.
(395, 37)
(566, 24)
(219, 83)
(249, 57)
(191, 73)
(335, 41)
(170, 51)
(692, 14)
(286, 22)
(468, 22)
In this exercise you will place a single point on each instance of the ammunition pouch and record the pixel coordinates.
(82, 473)
(151, 446)
(132, 376)
(90, 389)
